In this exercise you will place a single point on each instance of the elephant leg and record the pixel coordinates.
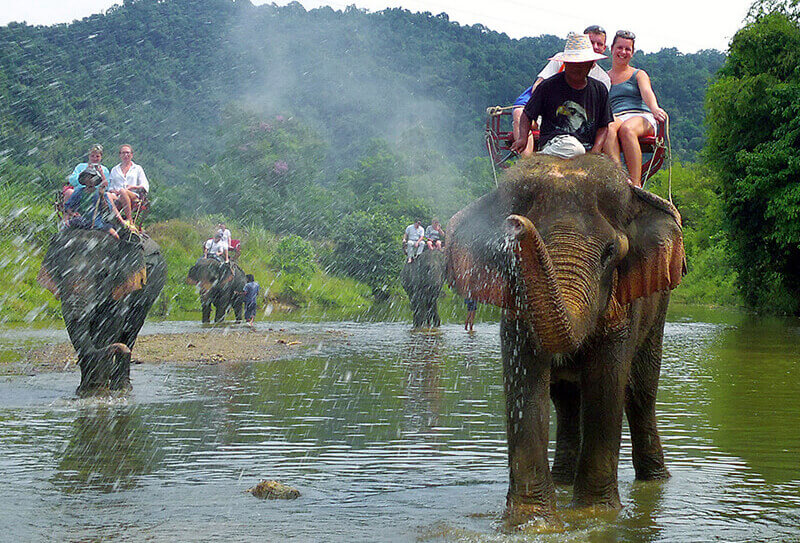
(640, 408)
(434, 318)
(602, 386)
(526, 376)
(206, 312)
(566, 398)
(221, 309)
(418, 313)
(238, 307)
(107, 368)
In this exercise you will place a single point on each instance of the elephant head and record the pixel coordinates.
(93, 275)
(208, 273)
(567, 246)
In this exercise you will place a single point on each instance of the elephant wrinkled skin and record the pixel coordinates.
(106, 288)
(422, 279)
(582, 263)
(220, 285)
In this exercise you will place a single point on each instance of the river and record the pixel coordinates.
(391, 436)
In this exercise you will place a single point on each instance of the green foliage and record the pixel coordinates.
(368, 248)
(711, 277)
(294, 260)
(754, 148)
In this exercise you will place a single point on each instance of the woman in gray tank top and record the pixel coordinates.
(634, 106)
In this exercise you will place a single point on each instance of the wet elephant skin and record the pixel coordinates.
(582, 264)
(106, 288)
(220, 285)
(422, 279)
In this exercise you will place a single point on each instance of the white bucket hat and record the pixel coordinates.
(577, 49)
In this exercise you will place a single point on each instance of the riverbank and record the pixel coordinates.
(195, 348)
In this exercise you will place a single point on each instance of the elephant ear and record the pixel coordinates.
(469, 267)
(656, 260)
(131, 283)
(46, 281)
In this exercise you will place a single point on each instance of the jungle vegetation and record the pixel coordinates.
(333, 129)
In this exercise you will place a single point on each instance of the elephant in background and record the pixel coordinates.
(422, 279)
(582, 263)
(220, 285)
(106, 287)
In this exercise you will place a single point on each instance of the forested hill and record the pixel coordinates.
(165, 75)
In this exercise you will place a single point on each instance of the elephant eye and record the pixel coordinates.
(608, 252)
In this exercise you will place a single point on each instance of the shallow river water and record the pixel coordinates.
(390, 436)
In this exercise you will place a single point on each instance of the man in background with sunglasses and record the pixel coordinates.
(597, 35)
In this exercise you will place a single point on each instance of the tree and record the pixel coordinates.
(368, 249)
(753, 114)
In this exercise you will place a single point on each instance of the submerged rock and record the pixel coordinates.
(273, 490)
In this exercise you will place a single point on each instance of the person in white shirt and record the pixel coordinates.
(226, 234)
(413, 240)
(128, 182)
(597, 35)
(216, 248)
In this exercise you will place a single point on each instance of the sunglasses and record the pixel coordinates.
(625, 34)
(594, 29)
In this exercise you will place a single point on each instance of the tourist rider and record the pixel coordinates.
(413, 239)
(128, 182)
(94, 158)
(226, 234)
(216, 248)
(597, 35)
(97, 209)
(434, 235)
(634, 106)
(574, 107)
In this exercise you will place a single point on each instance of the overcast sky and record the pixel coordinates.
(689, 25)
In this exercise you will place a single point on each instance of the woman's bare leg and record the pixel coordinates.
(611, 145)
(628, 134)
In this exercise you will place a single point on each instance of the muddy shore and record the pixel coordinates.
(206, 347)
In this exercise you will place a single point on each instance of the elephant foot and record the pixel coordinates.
(608, 501)
(103, 390)
(659, 473)
(530, 518)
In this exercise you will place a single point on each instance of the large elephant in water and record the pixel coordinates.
(582, 263)
(220, 285)
(422, 279)
(106, 288)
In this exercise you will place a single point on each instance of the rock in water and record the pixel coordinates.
(273, 490)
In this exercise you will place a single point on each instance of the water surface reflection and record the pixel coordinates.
(390, 436)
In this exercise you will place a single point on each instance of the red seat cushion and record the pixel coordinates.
(235, 244)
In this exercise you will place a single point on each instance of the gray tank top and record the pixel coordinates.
(626, 96)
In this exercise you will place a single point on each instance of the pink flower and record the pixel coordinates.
(280, 118)
(281, 167)
(265, 127)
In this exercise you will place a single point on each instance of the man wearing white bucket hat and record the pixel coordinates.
(574, 108)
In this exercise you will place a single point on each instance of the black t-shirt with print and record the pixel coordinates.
(567, 111)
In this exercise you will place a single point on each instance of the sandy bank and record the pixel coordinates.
(206, 347)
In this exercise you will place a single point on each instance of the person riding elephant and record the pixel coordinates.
(422, 279)
(106, 287)
(582, 263)
(221, 284)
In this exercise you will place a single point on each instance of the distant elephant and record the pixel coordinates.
(220, 284)
(106, 288)
(582, 263)
(422, 279)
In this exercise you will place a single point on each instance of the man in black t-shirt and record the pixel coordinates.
(574, 107)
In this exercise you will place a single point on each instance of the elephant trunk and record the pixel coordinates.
(537, 296)
(102, 368)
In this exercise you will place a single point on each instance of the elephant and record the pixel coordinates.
(219, 284)
(422, 279)
(106, 287)
(582, 264)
